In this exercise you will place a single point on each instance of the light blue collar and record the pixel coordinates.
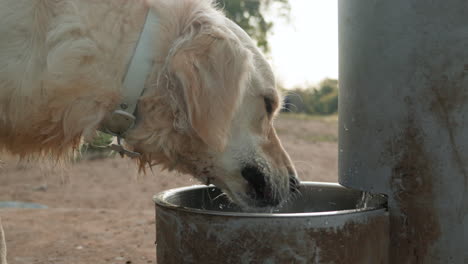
(139, 68)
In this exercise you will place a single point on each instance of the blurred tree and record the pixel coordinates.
(320, 100)
(250, 15)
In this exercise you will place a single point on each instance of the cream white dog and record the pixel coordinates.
(207, 106)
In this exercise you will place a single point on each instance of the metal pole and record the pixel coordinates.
(404, 119)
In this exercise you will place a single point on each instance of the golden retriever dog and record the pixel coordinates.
(208, 102)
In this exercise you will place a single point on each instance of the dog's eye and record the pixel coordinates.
(268, 105)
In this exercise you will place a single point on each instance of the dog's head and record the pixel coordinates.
(210, 111)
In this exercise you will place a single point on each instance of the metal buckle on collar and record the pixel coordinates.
(122, 151)
(119, 123)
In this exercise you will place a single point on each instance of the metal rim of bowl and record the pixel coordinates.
(160, 200)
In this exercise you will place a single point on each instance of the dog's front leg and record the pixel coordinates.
(3, 250)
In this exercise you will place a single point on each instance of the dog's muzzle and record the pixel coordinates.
(260, 189)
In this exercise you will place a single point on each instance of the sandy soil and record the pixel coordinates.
(101, 211)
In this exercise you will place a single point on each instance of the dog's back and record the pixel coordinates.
(25, 62)
(60, 66)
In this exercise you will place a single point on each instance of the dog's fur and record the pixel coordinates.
(208, 105)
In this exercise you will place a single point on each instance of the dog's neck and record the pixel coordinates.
(138, 71)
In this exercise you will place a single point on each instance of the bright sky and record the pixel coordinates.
(305, 51)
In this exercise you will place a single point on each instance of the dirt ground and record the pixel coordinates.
(101, 211)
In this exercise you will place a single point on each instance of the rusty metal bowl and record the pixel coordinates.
(326, 223)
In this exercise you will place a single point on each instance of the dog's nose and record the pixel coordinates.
(257, 180)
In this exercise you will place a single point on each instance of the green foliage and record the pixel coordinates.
(250, 15)
(321, 100)
(98, 148)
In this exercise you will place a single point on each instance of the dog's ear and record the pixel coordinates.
(211, 69)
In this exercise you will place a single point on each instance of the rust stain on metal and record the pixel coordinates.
(354, 243)
(450, 95)
(414, 224)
